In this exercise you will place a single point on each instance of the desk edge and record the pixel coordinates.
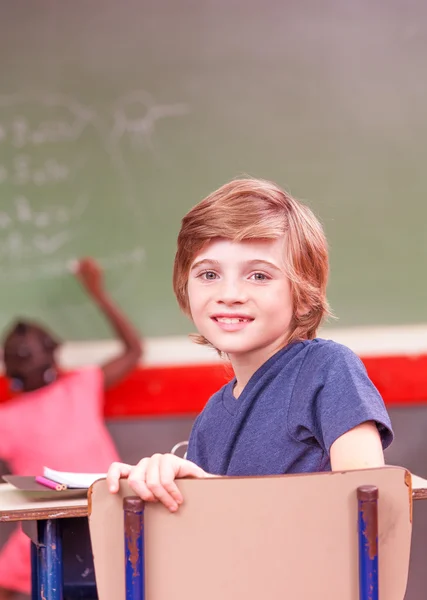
(37, 514)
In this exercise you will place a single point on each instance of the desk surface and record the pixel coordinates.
(419, 488)
(29, 506)
(16, 505)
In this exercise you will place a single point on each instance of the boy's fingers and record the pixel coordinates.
(115, 473)
(169, 469)
(153, 479)
(137, 480)
(155, 485)
(190, 469)
(140, 488)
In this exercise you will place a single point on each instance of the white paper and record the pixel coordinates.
(73, 480)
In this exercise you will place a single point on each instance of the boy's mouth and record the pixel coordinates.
(232, 323)
(232, 320)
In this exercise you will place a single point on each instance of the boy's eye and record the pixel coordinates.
(259, 276)
(208, 275)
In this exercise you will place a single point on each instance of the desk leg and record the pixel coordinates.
(133, 508)
(47, 561)
(367, 497)
(35, 588)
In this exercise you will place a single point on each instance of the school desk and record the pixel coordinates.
(61, 555)
(62, 563)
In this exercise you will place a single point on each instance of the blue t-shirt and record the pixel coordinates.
(289, 414)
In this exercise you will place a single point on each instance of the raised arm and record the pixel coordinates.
(89, 273)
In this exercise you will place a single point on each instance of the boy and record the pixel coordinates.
(251, 271)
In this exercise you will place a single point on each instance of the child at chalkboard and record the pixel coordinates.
(55, 418)
(251, 270)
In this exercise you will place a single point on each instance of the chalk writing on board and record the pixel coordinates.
(50, 228)
(15, 245)
(22, 172)
(43, 201)
(55, 267)
(52, 144)
(137, 113)
(21, 211)
(19, 130)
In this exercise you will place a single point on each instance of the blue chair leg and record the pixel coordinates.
(133, 508)
(367, 500)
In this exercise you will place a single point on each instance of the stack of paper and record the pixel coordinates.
(73, 480)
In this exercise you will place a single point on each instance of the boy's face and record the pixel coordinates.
(240, 298)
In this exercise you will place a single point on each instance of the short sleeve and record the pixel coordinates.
(338, 397)
(193, 450)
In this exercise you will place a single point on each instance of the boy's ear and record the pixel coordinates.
(302, 311)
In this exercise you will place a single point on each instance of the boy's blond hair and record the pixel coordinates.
(246, 209)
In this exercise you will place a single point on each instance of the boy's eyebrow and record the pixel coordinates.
(249, 263)
(260, 261)
(205, 261)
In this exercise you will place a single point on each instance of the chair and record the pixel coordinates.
(277, 537)
(179, 447)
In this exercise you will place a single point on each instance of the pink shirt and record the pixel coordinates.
(60, 426)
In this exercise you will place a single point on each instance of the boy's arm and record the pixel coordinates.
(359, 448)
(89, 274)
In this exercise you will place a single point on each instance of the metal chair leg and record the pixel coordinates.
(367, 500)
(133, 508)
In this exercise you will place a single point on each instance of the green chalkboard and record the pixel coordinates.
(117, 117)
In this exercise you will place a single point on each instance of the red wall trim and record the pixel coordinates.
(161, 391)
(184, 390)
(399, 379)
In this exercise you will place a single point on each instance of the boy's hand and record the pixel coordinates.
(89, 273)
(153, 479)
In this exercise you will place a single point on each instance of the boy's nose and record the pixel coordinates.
(232, 292)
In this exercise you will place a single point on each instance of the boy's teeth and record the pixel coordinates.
(230, 320)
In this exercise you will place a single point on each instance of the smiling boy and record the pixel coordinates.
(251, 271)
